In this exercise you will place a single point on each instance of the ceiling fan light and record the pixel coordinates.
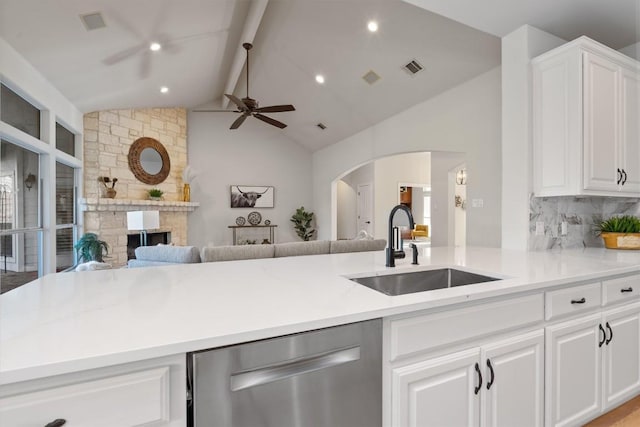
(320, 78)
(155, 46)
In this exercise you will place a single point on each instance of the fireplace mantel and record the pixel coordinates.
(122, 205)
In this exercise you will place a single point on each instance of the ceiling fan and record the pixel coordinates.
(249, 107)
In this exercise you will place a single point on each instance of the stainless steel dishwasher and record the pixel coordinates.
(324, 378)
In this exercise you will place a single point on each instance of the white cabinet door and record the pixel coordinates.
(630, 128)
(621, 374)
(573, 371)
(438, 392)
(514, 378)
(601, 123)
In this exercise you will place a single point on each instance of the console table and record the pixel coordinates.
(235, 228)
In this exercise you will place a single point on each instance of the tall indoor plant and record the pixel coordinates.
(90, 248)
(302, 223)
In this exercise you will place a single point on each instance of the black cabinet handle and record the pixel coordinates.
(477, 389)
(619, 177)
(57, 423)
(610, 333)
(578, 301)
(493, 377)
(624, 180)
(629, 289)
(604, 335)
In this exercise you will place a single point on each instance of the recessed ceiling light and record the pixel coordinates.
(320, 78)
(372, 26)
(164, 89)
(155, 46)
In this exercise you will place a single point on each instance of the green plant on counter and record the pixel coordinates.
(155, 192)
(302, 223)
(90, 248)
(619, 224)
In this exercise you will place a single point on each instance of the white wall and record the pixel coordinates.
(465, 119)
(442, 199)
(254, 154)
(517, 50)
(347, 206)
(390, 172)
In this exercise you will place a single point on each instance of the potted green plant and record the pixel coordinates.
(155, 194)
(620, 232)
(302, 223)
(90, 248)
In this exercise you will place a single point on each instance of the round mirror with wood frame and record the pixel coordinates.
(137, 166)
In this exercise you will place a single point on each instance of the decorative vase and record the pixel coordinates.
(186, 193)
(110, 193)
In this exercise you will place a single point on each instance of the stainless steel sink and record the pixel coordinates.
(420, 281)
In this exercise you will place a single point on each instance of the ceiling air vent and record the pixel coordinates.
(413, 67)
(93, 21)
(371, 77)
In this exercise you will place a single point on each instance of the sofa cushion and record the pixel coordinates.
(315, 247)
(343, 246)
(231, 253)
(167, 253)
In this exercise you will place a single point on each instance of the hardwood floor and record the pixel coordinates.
(627, 415)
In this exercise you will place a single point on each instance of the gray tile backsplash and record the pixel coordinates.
(580, 213)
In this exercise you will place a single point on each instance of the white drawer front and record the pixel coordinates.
(619, 290)
(568, 301)
(420, 333)
(124, 400)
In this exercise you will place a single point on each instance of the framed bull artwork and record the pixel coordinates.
(247, 196)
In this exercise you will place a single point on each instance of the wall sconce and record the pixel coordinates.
(29, 181)
(461, 177)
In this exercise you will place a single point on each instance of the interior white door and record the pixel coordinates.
(630, 138)
(514, 377)
(573, 371)
(365, 208)
(438, 392)
(621, 375)
(601, 118)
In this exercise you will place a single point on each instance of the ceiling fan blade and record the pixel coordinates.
(275, 109)
(239, 121)
(215, 111)
(145, 65)
(124, 54)
(241, 105)
(269, 120)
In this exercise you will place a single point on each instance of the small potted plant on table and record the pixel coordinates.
(620, 232)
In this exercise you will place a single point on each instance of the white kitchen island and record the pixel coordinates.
(135, 326)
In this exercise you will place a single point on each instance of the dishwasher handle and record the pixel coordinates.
(280, 371)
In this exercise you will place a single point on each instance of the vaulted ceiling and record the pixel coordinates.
(294, 40)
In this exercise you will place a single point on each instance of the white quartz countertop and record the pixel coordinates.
(68, 322)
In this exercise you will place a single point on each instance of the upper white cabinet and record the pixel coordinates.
(586, 122)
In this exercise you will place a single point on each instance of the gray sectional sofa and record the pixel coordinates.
(164, 254)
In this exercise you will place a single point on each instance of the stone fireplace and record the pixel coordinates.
(107, 138)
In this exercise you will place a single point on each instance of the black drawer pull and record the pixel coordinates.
(477, 389)
(629, 289)
(57, 423)
(578, 301)
(604, 335)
